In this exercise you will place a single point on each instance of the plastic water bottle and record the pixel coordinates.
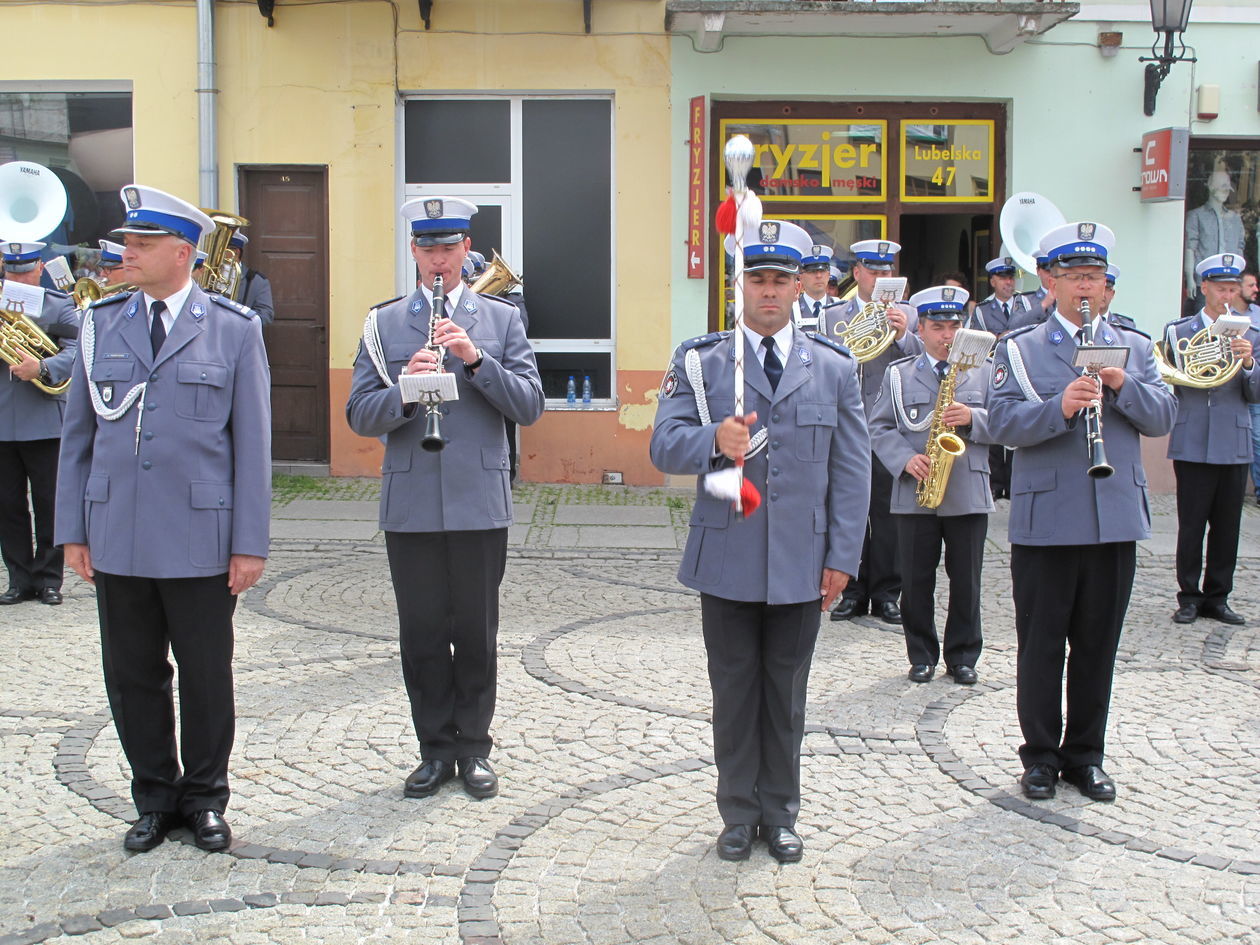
(571, 392)
(586, 389)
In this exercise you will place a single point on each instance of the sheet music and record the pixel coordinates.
(889, 289)
(25, 299)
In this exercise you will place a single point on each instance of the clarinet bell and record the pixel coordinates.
(432, 441)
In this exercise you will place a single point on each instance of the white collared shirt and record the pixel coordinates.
(782, 343)
(453, 296)
(805, 316)
(174, 304)
(1073, 329)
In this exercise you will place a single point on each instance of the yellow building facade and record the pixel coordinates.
(328, 91)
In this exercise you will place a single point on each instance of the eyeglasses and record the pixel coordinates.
(1083, 278)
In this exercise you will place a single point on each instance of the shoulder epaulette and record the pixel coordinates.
(828, 342)
(57, 293)
(1023, 330)
(110, 300)
(1184, 319)
(712, 337)
(387, 302)
(1132, 328)
(243, 310)
(909, 357)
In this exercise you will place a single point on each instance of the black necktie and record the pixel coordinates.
(1080, 337)
(942, 368)
(157, 330)
(817, 309)
(1006, 311)
(772, 364)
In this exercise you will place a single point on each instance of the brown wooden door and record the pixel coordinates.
(288, 242)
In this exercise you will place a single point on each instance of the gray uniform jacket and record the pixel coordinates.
(26, 412)
(1053, 500)
(1213, 425)
(256, 291)
(988, 314)
(1034, 314)
(871, 374)
(814, 472)
(803, 311)
(895, 439)
(194, 486)
(463, 487)
(1124, 321)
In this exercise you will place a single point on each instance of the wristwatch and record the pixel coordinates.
(43, 373)
(481, 356)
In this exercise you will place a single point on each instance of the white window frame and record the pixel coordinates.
(510, 196)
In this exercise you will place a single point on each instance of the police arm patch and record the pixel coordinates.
(1000, 374)
(670, 383)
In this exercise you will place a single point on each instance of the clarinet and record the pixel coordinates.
(433, 441)
(1099, 468)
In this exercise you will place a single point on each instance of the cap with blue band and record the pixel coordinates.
(941, 303)
(1078, 244)
(153, 212)
(437, 221)
(19, 253)
(1223, 267)
(817, 257)
(111, 253)
(876, 254)
(777, 245)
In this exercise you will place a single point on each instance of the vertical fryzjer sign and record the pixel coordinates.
(695, 190)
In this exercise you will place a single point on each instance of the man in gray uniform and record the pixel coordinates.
(254, 290)
(904, 411)
(30, 433)
(1211, 449)
(762, 580)
(1073, 536)
(445, 513)
(996, 312)
(163, 503)
(815, 273)
(877, 583)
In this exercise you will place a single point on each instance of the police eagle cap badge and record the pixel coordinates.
(1085, 231)
(433, 209)
(769, 231)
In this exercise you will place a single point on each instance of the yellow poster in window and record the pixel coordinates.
(947, 162)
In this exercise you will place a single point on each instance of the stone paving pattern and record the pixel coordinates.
(914, 828)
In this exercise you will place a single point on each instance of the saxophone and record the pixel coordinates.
(969, 349)
(943, 447)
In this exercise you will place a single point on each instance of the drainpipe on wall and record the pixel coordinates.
(207, 127)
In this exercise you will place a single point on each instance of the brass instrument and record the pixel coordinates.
(1202, 361)
(222, 272)
(88, 290)
(968, 350)
(20, 335)
(1099, 468)
(433, 440)
(498, 279)
(869, 333)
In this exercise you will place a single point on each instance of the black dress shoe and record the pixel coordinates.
(210, 831)
(1092, 781)
(479, 778)
(963, 675)
(427, 778)
(921, 672)
(150, 830)
(15, 596)
(1222, 613)
(888, 612)
(785, 846)
(1186, 613)
(735, 842)
(50, 595)
(1038, 782)
(847, 609)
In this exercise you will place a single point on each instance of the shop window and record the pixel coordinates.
(1222, 206)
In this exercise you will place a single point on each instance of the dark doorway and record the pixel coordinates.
(934, 244)
(288, 242)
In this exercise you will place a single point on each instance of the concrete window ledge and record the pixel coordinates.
(1002, 26)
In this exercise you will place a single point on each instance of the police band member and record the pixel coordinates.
(833, 282)
(815, 274)
(900, 427)
(446, 513)
(1211, 450)
(762, 580)
(110, 262)
(1109, 294)
(30, 433)
(995, 313)
(878, 583)
(254, 290)
(1073, 536)
(1039, 304)
(163, 503)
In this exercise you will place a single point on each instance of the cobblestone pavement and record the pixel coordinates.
(914, 828)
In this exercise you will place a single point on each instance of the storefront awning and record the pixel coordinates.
(1003, 26)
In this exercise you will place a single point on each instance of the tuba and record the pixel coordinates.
(1025, 218)
(1204, 360)
(222, 271)
(968, 350)
(498, 279)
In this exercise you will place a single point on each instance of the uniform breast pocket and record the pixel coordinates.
(1033, 510)
(113, 377)
(814, 425)
(201, 390)
(1244, 434)
(493, 347)
(399, 355)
